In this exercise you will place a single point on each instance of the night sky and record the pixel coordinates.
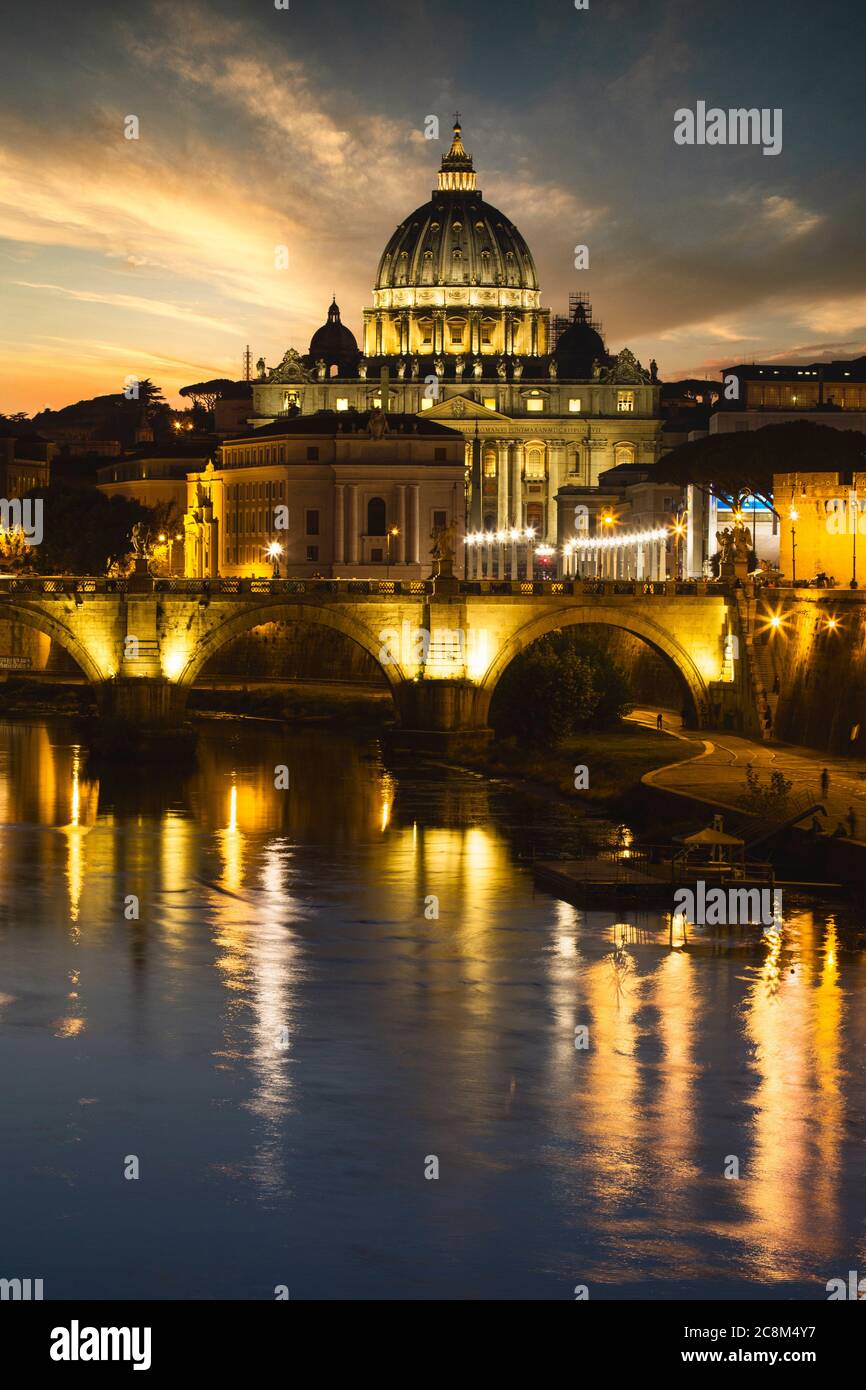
(305, 127)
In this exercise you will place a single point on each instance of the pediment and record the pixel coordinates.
(462, 408)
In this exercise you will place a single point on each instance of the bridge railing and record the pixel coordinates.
(64, 586)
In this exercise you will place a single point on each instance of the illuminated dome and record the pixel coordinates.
(456, 279)
(457, 239)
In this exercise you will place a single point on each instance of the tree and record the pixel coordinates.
(736, 465)
(560, 684)
(207, 393)
(86, 532)
(16, 556)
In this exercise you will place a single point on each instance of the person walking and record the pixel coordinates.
(660, 722)
(851, 818)
(825, 784)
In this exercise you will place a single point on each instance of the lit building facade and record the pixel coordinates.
(337, 496)
(751, 397)
(457, 331)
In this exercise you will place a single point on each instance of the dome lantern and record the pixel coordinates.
(457, 172)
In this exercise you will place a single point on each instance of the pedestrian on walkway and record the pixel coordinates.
(851, 818)
(825, 784)
(660, 722)
(840, 833)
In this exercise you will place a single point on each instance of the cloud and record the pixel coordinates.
(136, 303)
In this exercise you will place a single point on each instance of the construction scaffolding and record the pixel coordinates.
(559, 322)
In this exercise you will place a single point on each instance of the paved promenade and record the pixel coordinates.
(718, 771)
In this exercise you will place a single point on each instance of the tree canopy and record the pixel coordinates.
(742, 463)
(85, 532)
(207, 393)
(562, 683)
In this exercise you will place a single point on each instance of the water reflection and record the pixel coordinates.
(302, 992)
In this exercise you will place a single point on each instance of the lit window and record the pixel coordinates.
(490, 402)
(486, 334)
(377, 402)
(342, 403)
(490, 465)
(427, 403)
(625, 402)
(534, 464)
(535, 403)
(574, 405)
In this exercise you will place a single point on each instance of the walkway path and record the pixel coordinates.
(718, 770)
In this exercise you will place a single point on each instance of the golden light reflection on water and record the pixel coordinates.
(794, 1028)
(235, 882)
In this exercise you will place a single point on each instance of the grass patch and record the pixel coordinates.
(617, 759)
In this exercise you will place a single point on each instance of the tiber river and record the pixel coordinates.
(283, 1041)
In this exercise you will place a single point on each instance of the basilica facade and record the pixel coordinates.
(457, 332)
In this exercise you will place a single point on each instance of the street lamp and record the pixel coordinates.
(795, 517)
(679, 530)
(393, 533)
(275, 550)
(852, 500)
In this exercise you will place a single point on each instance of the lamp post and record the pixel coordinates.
(855, 504)
(393, 533)
(795, 517)
(679, 532)
(275, 550)
(606, 555)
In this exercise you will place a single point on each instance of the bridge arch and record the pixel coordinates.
(607, 615)
(43, 621)
(210, 642)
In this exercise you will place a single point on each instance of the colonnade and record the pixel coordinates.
(634, 555)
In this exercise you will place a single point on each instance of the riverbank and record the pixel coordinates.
(615, 762)
(301, 702)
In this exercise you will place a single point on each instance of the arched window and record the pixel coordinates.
(623, 453)
(375, 517)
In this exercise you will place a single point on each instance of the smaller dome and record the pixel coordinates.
(578, 348)
(334, 344)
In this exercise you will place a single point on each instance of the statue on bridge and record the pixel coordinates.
(442, 556)
(735, 550)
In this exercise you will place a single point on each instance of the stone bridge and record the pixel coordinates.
(442, 644)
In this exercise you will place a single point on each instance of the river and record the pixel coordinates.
(232, 1044)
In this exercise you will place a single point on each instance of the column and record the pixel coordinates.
(414, 524)
(517, 483)
(502, 518)
(401, 523)
(353, 523)
(554, 478)
(339, 525)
